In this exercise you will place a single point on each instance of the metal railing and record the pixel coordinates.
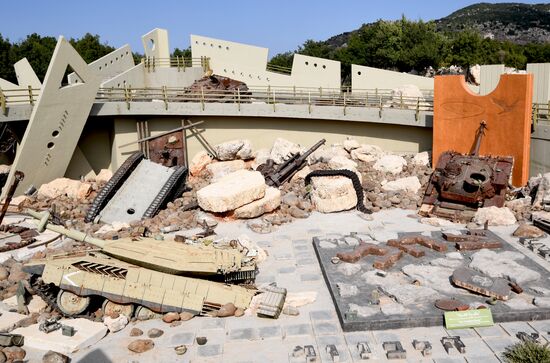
(278, 69)
(13, 97)
(541, 113)
(181, 63)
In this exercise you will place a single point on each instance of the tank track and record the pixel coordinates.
(47, 292)
(174, 187)
(240, 276)
(15, 246)
(107, 192)
(348, 174)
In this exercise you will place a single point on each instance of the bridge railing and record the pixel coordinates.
(541, 113)
(18, 96)
(181, 63)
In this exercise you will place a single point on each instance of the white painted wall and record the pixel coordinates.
(110, 65)
(155, 44)
(541, 87)
(489, 77)
(371, 78)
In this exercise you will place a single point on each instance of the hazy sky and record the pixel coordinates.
(279, 25)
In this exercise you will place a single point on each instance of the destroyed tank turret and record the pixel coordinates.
(169, 257)
(70, 282)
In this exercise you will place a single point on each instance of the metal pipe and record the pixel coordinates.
(18, 177)
(162, 134)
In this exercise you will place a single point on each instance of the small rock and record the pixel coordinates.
(347, 290)
(408, 184)
(298, 213)
(115, 324)
(290, 199)
(3, 358)
(291, 310)
(54, 357)
(542, 302)
(437, 222)
(199, 162)
(180, 349)
(141, 345)
(185, 316)
(349, 269)
(234, 149)
(528, 231)
(340, 162)
(201, 340)
(454, 256)
(422, 158)
(390, 164)
(239, 312)
(170, 317)
(14, 353)
(154, 333)
(495, 216)
(136, 332)
(351, 144)
(4, 273)
(227, 310)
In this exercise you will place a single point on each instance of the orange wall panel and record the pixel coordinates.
(507, 112)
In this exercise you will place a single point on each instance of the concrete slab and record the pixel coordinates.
(87, 334)
(8, 320)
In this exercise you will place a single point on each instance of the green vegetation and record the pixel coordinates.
(527, 352)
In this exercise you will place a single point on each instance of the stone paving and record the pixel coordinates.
(292, 264)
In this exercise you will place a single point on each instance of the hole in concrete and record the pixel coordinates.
(307, 63)
(315, 64)
(227, 48)
(55, 133)
(324, 67)
(359, 73)
(131, 211)
(151, 44)
(50, 145)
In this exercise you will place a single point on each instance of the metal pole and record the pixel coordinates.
(18, 176)
(3, 102)
(162, 134)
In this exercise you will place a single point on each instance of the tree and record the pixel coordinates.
(90, 47)
(465, 49)
(6, 61)
(185, 53)
(38, 51)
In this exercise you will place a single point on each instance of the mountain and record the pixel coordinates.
(515, 22)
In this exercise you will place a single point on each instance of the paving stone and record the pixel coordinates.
(244, 334)
(283, 256)
(512, 328)
(304, 254)
(286, 270)
(267, 332)
(310, 277)
(264, 243)
(315, 231)
(339, 342)
(482, 359)
(306, 261)
(261, 278)
(213, 323)
(209, 350)
(542, 327)
(463, 333)
(498, 345)
(321, 315)
(182, 338)
(450, 360)
(491, 331)
(302, 247)
(325, 328)
(298, 329)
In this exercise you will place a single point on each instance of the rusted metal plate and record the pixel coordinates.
(476, 281)
(168, 150)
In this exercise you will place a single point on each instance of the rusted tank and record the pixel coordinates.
(70, 282)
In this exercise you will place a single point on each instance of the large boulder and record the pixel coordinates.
(390, 164)
(495, 216)
(366, 153)
(409, 184)
(406, 96)
(199, 162)
(333, 194)
(323, 155)
(73, 189)
(270, 201)
(260, 157)
(234, 149)
(223, 168)
(232, 191)
(283, 149)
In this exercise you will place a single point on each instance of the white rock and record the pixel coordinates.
(409, 184)
(436, 277)
(475, 72)
(323, 155)
(104, 176)
(87, 333)
(298, 299)
(260, 157)
(9, 320)
(59, 187)
(350, 144)
(199, 162)
(349, 269)
(36, 304)
(495, 215)
(542, 302)
(5, 169)
(283, 149)
(409, 94)
(367, 153)
(543, 193)
(19, 200)
(347, 290)
(437, 222)
(445, 262)
(390, 164)
(454, 256)
(422, 158)
(115, 227)
(223, 168)
(232, 191)
(333, 194)
(363, 311)
(340, 162)
(503, 265)
(270, 201)
(234, 149)
(115, 324)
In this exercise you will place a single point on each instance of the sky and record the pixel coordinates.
(280, 25)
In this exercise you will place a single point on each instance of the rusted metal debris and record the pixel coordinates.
(363, 250)
(26, 234)
(450, 305)
(216, 88)
(472, 240)
(406, 244)
(462, 183)
(476, 281)
(19, 175)
(450, 343)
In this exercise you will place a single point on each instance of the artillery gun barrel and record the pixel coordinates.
(312, 149)
(43, 224)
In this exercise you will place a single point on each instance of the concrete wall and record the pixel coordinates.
(248, 64)
(489, 78)
(110, 65)
(541, 87)
(155, 44)
(370, 78)
(263, 132)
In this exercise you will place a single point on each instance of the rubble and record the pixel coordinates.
(154, 333)
(73, 189)
(223, 168)
(269, 202)
(199, 162)
(390, 164)
(528, 231)
(283, 149)
(333, 194)
(235, 149)
(115, 324)
(494, 216)
(408, 184)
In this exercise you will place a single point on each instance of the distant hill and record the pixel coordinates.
(516, 22)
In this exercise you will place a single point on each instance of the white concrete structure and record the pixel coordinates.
(489, 77)
(248, 64)
(363, 78)
(541, 87)
(156, 44)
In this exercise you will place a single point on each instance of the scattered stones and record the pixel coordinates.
(154, 333)
(115, 324)
(366, 153)
(239, 312)
(437, 222)
(201, 340)
(283, 149)
(235, 149)
(180, 349)
(170, 317)
(136, 332)
(503, 265)
(14, 353)
(390, 164)
(528, 231)
(232, 191)
(141, 345)
(63, 186)
(269, 202)
(54, 357)
(341, 162)
(495, 216)
(333, 194)
(409, 184)
(227, 310)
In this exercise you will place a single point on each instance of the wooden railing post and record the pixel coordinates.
(31, 99)
(3, 102)
(417, 114)
(202, 98)
(165, 95)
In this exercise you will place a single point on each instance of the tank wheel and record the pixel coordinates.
(109, 308)
(72, 304)
(143, 313)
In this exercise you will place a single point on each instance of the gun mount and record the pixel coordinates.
(278, 175)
